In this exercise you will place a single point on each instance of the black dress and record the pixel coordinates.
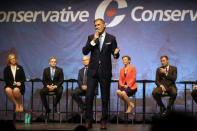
(19, 77)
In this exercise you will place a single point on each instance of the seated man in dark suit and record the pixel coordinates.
(194, 92)
(166, 76)
(82, 85)
(53, 78)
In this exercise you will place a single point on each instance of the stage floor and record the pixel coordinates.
(70, 127)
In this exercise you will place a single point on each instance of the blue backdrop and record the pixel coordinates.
(145, 29)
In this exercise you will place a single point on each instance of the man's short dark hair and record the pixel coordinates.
(164, 57)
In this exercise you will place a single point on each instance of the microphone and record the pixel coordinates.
(97, 31)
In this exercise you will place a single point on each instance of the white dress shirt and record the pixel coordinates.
(13, 69)
(101, 40)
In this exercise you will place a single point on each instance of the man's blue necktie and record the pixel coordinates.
(52, 73)
(101, 42)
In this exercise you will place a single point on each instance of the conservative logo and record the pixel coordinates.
(141, 14)
(100, 12)
(138, 13)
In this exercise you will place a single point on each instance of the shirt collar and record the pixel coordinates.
(103, 35)
(52, 68)
(168, 67)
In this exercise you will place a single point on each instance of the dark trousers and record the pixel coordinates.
(172, 92)
(92, 83)
(76, 95)
(44, 92)
(194, 95)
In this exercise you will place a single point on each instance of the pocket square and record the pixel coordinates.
(108, 43)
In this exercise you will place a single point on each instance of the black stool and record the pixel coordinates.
(14, 113)
(53, 94)
(164, 94)
(125, 106)
(81, 114)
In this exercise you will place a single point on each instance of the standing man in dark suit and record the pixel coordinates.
(166, 76)
(194, 92)
(101, 45)
(53, 78)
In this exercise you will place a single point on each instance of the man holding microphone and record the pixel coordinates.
(101, 45)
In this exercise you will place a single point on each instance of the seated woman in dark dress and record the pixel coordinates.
(14, 78)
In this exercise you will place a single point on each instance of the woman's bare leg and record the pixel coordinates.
(18, 96)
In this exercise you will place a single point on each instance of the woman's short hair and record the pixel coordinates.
(9, 58)
(128, 57)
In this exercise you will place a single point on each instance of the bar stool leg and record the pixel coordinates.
(14, 114)
(6, 106)
(53, 107)
(60, 116)
(47, 114)
(117, 113)
(81, 118)
(134, 113)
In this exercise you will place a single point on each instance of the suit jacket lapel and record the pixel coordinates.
(55, 74)
(170, 68)
(10, 72)
(82, 73)
(49, 73)
(17, 71)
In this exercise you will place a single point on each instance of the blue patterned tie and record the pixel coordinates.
(101, 42)
(52, 73)
(85, 76)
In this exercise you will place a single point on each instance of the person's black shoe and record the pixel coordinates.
(48, 110)
(168, 110)
(164, 114)
(55, 109)
(82, 109)
(162, 111)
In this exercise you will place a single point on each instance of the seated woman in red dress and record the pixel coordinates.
(127, 83)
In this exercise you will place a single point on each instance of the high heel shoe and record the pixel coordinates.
(16, 108)
(21, 108)
(130, 108)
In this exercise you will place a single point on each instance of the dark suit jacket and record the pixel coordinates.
(20, 76)
(80, 79)
(58, 77)
(169, 80)
(104, 56)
